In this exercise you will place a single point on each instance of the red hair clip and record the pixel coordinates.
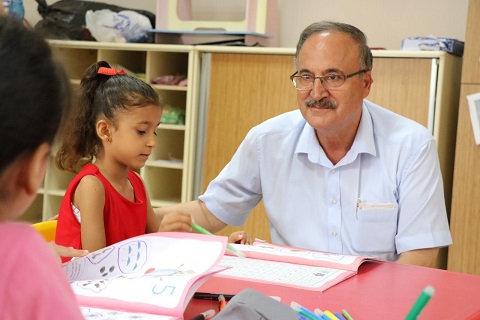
(110, 71)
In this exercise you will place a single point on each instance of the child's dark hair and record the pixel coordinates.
(101, 96)
(34, 91)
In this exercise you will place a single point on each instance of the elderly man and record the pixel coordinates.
(340, 174)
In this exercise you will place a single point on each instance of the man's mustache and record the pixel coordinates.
(322, 103)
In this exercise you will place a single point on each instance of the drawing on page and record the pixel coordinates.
(94, 285)
(132, 256)
(98, 256)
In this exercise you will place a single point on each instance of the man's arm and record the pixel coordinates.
(172, 217)
(420, 257)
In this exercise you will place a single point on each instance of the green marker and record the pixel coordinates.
(230, 248)
(346, 315)
(422, 300)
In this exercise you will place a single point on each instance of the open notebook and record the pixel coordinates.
(289, 266)
(152, 276)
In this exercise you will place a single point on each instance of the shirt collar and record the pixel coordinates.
(364, 142)
(365, 139)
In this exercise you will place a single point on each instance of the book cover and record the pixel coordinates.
(153, 274)
(289, 266)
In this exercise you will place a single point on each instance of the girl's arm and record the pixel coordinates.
(153, 222)
(89, 198)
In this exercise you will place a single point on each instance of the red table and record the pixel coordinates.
(380, 290)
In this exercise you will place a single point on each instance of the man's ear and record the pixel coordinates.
(367, 83)
(35, 168)
(103, 130)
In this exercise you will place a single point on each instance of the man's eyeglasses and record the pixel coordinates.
(330, 81)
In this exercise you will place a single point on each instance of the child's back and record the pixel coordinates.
(33, 286)
(33, 283)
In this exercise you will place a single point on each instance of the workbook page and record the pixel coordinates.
(267, 251)
(155, 273)
(283, 273)
(104, 314)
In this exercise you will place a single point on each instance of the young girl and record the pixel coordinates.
(113, 132)
(34, 95)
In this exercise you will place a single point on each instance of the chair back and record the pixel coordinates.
(47, 229)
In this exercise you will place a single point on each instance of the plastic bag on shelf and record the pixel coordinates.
(172, 115)
(65, 19)
(174, 80)
(124, 26)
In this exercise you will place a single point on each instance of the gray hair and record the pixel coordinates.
(365, 54)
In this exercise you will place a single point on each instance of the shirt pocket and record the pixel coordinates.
(376, 227)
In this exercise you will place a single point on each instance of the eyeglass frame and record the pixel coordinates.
(322, 81)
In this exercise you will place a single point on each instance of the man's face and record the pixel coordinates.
(332, 111)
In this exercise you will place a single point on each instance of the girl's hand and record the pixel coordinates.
(61, 251)
(176, 221)
(240, 237)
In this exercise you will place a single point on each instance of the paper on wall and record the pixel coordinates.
(474, 108)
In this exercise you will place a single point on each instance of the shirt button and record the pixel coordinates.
(334, 201)
(332, 171)
(334, 234)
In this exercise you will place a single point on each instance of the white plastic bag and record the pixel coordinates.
(124, 26)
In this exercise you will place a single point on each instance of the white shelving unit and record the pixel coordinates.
(168, 173)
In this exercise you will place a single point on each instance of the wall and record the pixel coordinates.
(386, 22)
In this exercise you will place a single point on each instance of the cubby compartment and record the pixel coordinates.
(164, 185)
(166, 63)
(134, 61)
(75, 61)
(174, 98)
(168, 148)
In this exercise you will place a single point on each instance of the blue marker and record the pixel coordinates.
(320, 314)
(339, 316)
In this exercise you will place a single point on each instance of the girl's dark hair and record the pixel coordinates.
(100, 96)
(34, 91)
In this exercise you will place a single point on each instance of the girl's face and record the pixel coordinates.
(134, 135)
